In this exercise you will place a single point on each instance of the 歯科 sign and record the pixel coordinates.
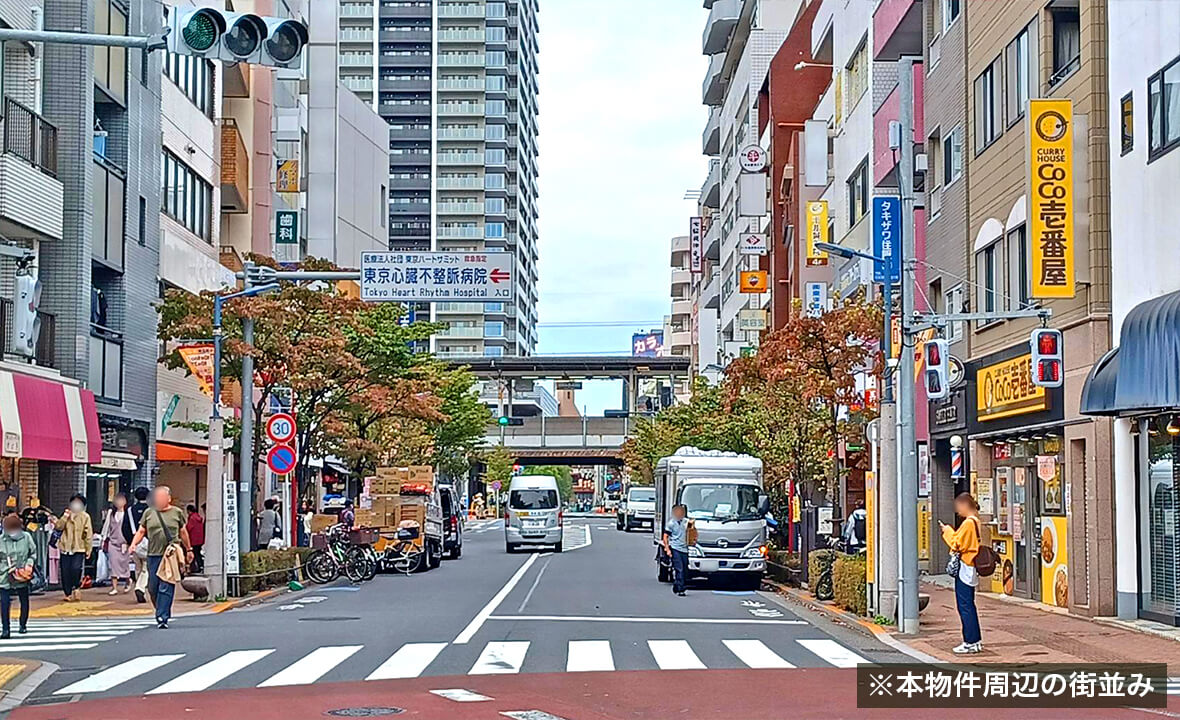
(696, 250)
(1006, 389)
(1050, 212)
(752, 244)
(752, 281)
(199, 360)
(887, 239)
(286, 227)
(817, 232)
(436, 276)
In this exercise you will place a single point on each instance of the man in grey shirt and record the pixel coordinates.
(676, 545)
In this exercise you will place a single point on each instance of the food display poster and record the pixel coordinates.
(1003, 579)
(1054, 561)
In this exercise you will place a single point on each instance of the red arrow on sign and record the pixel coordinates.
(499, 276)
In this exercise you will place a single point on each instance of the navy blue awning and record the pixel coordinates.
(1142, 374)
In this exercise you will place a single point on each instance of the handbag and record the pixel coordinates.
(54, 538)
(168, 537)
(953, 563)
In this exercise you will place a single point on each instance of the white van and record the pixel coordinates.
(532, 515)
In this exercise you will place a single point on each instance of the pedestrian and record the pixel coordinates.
(268, 524)
(74, 545)
(116, 543)
(196, 536)
(676, 545)
(168, 547)
(130, 526)
(17, 558)
(964, 545)
(855, 529)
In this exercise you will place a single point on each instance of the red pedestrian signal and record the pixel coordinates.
(1048, 363)
(937, 375)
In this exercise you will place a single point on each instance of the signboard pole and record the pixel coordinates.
(214, 549)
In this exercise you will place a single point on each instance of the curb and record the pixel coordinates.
(31, 681)
(221, 607)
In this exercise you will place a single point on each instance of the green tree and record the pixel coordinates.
(563, 475)
(499, 466)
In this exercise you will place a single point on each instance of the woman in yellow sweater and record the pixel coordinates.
(964, 543)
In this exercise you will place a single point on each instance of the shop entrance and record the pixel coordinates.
(1029, 499)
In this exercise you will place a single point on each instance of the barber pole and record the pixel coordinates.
(956, 464)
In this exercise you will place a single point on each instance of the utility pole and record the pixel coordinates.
(907, 442)
(246, 469)
(886, 492)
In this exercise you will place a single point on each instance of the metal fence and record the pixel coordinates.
(30, 136)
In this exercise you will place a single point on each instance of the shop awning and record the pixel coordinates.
(336, 467)
(45, 419)
(168, 452)
(1143, 373)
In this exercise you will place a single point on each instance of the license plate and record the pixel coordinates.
(532, 524)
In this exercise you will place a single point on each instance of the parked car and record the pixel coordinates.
(532, 515)
(637, 509)
(453, 519)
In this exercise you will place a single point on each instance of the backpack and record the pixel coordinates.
(985, 559)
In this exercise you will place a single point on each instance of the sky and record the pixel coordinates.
(621, 122)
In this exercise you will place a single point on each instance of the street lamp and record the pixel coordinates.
(845, 252)
(806, 64)
(218, 302)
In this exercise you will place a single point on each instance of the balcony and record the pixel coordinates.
(415, 183)
(711, 138)
(107, 225)
(460, 134)
(461, 85)
(405, 36)
(421, 12)
(680, 338)
(357, 83)
(235, 169)
(43, 354)
(446, 158)
(711, 295)
(356, 35)
(461, 60)
(106, 364)
(681, 307)
(415, 85)
(711, 190)
(897, 29)
(884, 159)
(462, 36)
(712, 241)
(460, 208)
(713, 90)
(355, 60)
(31, 196)
(400, 110)
(460, 11)
(461, 233)
(353, 10)
(681, 276)
(459, 308)
(454, 108)
(723, 18)
(460, 183)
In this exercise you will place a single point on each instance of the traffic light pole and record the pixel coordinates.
(149, 42)
(907, 582)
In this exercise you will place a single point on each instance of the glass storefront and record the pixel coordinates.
(1159, 492)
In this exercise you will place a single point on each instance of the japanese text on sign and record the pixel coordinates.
(696, 251)
(286, 227)
(886, 224)
(1050, 140)
(1006, 389)
(435, 277)
(817, 231)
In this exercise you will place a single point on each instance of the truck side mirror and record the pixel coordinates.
(763, 505)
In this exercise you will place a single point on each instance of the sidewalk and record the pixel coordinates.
(1015, 632)
(97, 603)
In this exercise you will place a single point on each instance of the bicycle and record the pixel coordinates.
(404, 555)
(339, 556)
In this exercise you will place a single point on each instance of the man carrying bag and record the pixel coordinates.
(162, 525)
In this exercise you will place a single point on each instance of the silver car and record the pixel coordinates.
(532, 515)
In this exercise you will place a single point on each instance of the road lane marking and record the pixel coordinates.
(460, 695)
(589, 656)
(117, 675)
(481, 617)
(62, 637)
(311, 667)
(833, 653)
(529, 595)
(500, 658)
(530, 715)
(589, 539)
(600, 618)
(6, 648)
(755, 654)
(674, 655)
(408, 662)
(212, 672)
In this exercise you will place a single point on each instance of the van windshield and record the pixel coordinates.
(720, 501)
(533, 500)
(642, 495)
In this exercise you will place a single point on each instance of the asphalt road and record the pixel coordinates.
(595, 607)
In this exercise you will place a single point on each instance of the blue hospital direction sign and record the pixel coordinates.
(436, 276)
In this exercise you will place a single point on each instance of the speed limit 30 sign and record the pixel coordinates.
(280, 428)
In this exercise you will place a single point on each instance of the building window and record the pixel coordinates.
(494, 181)
(1021, 72)
(952, 156)
(494, 206)
(858, 193)
(950, 12)
(1127, 110)
(194, 77)
(493, 329)
(142, 221)
(954, 304)
(493, 351)
(989, 115)
(494, 230)
(186, 197)
(858, 75)
(495, 132)
(987, 271)
(496, 83)
(110, 63)
(1018, 272)
(1067, 43)
(1163, 109)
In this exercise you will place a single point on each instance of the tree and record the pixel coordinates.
(563, 475)
(499, 466)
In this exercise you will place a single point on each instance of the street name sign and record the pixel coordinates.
(436, 276)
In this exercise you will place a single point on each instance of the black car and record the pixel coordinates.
(453, 517)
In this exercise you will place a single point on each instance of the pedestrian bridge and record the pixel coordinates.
(565, 440)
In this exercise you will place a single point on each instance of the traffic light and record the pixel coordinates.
(237, 37)
(937, 356)
(1047, 360)
(505, 421)
(26, 325)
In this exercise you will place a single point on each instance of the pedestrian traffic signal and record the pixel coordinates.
(1047, 360)
(26, 325)
(937, 356)
(237, 37)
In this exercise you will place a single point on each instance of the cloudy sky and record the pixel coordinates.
(621, 121)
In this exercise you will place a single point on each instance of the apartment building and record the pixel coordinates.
(1047, 465)
(457, 84)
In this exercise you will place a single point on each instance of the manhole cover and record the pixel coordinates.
(365, 712)
(327, 619)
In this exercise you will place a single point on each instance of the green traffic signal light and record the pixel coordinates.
(503, 421)
(200, 32)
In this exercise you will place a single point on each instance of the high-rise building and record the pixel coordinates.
(457, 84)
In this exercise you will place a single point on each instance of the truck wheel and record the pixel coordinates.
(435, 557)
(457, 551)
(509, 548)
(752, 581)
(425, 561)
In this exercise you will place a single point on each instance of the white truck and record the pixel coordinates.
(724, 497)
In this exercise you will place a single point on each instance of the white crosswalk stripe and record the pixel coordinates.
(674, 655)
(66, 634)
(413, 660)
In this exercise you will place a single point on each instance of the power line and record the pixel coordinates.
(603, 323)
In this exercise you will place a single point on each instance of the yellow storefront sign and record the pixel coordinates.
(1054, 561)
(817, 231)
(1050, 213)
(870, 527)
(287, 176)
(924, 529)
(1006, 389)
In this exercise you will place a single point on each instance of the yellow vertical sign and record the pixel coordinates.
(923, 529)
(817, 231)
(870, 527)
(1050, 212)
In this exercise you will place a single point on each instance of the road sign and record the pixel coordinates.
(496, 485)
(753, 159)
(280, 428)
(281, 459)
(436, 276)
(753, 244)
(887, 238)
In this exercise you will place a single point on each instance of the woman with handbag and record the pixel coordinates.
(964, 545)
(75, 545)
(116, 544)
(17, 557)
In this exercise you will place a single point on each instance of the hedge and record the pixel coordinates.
(264, 569)
(848, 578)
(784, 566)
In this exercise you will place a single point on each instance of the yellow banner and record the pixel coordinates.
(817, 231)
(924, 529)
(199, 359)
(870, 528)
(1006, 389)
(1050, 212)
(287, 176)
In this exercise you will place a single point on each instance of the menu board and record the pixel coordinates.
(1004, 500)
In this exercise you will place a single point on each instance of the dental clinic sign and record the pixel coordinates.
(1050, 212)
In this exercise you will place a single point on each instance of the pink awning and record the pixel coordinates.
(42, 419)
